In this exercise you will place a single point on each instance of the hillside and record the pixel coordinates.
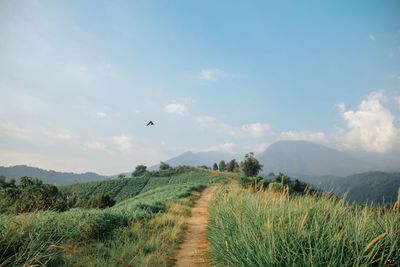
(377, 187)
(143, 228)
(307, 158)
(50, 177)
(123, 188)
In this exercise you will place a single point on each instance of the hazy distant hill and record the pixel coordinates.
(51, 177)
(307, 158)
(375, 186)
(197, 159)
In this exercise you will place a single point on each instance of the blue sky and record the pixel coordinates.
(80, 79)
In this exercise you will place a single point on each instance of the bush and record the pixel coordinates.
(102, 201)
(31, 195)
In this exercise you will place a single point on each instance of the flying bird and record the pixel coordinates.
(150, 123)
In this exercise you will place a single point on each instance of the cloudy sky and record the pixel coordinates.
(79, 80)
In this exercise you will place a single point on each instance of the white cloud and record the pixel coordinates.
(397, 100)
(101, 114)
(259, 148)
(370, 127)
(176, 109)
(12, 130)
(226, 148)
(96, 145)
(303, 135)
(210, 123)
(372, 37)
(188, 100)
(256, 129)
(123, 144)
(64, 136)
(211, 74)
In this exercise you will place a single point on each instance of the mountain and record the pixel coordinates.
(375, 186)
(311, 159)
(50, 177)
(197, 159)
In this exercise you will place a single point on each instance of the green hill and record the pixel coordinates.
(145, 225)
(376, 186)
(124, 188)
(48, 176)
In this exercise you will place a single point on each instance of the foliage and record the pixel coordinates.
(102, 201)
(233, 166)
(34, 239)
(215, 167)
(164, 166)
(251, 166)
(222, 166)
(139, 171)
(268, 229)
(124, 188)
(369, 187)
(144, 227)
(4, 184)
(31, 195)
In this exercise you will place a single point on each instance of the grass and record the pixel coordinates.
(274, 229)
(124, 188)
(143, 230)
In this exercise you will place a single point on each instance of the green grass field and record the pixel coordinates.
(142, 229)
(273, 229)
(124, 188)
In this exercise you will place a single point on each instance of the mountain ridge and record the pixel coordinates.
(48, 176)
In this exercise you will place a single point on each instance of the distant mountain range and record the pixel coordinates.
(50, 177)
(374, 186)
(307, 158)
(301, 158)
(365, 176)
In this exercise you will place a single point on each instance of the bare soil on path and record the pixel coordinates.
(192, 251)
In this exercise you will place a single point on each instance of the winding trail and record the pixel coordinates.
(192, 251)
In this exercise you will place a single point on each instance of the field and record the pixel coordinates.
(142, 229)
(274, 229)
(124, 188)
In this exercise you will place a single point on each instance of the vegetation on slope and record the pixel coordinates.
(274, 229)
(124, 188)
(376, 187)
(139, 231)
(48, 176)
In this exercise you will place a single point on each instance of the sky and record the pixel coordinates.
(79, 80)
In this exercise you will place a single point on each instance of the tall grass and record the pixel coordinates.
(274, 229)
(54, 239)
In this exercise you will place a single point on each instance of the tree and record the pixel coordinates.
(139, 171)
(222, 166)
(233, 166)
(283, 179)
(251, 166)
(215, 167)
(121, 176)
(31, 195)
(4, 184)
(164, 166)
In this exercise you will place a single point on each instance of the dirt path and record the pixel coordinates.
(192, 250)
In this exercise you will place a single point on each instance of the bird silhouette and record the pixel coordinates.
(150, 123)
